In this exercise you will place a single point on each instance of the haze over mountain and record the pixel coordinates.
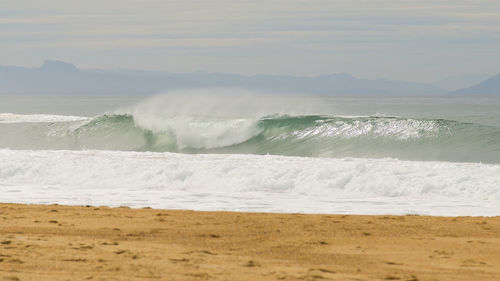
(61, 78)
(489, 87)
(453, 83)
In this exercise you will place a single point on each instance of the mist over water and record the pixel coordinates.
(207, 149)
(240, 122)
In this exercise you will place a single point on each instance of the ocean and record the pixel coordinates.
(236, 151)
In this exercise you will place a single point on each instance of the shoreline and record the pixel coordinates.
(56, 242)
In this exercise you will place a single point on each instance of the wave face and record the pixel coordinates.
(249, 182)
(310, 135)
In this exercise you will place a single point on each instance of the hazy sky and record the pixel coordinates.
(412, 40)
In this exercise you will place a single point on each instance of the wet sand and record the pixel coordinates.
(87, 243)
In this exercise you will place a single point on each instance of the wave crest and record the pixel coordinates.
(309, 135)
(38, 118)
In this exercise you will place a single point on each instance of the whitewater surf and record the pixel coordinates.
(163, 153)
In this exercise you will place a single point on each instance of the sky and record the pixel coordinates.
(410, 40)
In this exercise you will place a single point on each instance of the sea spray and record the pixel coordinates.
(219, 152)
(311, 136)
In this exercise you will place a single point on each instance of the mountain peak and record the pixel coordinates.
(55, 65)
(340, 75)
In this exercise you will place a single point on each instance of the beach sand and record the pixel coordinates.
(55, 242)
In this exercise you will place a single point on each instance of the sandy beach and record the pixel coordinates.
(56, 242)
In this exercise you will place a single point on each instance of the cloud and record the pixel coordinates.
(368, 35)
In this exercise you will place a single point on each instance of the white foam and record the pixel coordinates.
(249, 183)
(38, 118)
(195, 132)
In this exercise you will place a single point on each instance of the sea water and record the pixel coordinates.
(210, 150)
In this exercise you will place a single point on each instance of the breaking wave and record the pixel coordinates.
(301, 135)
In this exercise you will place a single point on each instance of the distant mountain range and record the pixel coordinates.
(61, 78)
